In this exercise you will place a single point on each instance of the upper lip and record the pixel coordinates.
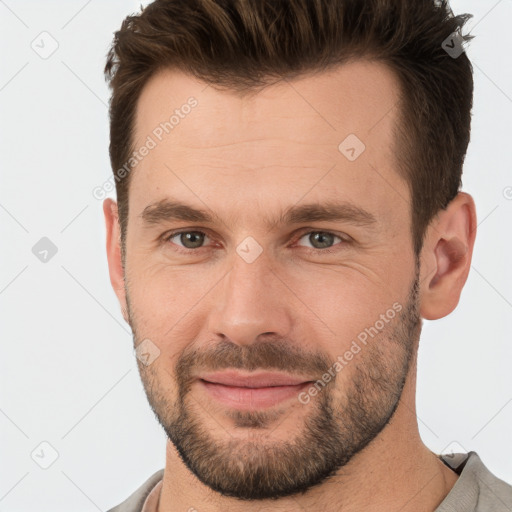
(259, 380)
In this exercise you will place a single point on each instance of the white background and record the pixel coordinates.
(67, 367)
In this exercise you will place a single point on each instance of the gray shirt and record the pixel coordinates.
(476, 489)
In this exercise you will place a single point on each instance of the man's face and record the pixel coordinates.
(254, 290)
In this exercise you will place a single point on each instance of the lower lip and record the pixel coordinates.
(252, 398)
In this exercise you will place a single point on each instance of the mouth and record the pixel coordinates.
(248, 391)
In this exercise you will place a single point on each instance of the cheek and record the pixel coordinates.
(165, 303)
(345, 300)
(161, 292)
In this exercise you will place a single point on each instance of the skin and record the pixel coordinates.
(249, 158)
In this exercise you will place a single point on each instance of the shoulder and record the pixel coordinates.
(135, 501)
(477, 489)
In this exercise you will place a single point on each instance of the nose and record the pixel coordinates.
(251, 301)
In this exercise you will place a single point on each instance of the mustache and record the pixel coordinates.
(275, 354)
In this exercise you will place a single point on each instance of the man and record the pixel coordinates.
(288, 211)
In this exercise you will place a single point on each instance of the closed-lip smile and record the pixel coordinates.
(252, 390)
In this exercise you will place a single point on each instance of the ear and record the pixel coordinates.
(115, 264)
(446, 257)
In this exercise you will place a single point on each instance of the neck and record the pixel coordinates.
(396, 471)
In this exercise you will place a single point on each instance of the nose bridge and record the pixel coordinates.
(250, 301)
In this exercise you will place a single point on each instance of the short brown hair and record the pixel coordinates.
(243, 45)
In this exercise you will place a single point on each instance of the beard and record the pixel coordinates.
(334, 429)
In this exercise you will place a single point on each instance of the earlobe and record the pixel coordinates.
(449, 246)
(115, 264)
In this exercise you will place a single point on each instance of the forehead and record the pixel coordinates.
(284, 142)
(352, 98)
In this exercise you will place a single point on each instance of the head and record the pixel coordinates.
(287, 179)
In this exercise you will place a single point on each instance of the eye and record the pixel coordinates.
(322, 240)
(189, 240)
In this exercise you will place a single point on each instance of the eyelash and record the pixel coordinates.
(167, 236)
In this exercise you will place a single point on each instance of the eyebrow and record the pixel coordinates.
(168, 209)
